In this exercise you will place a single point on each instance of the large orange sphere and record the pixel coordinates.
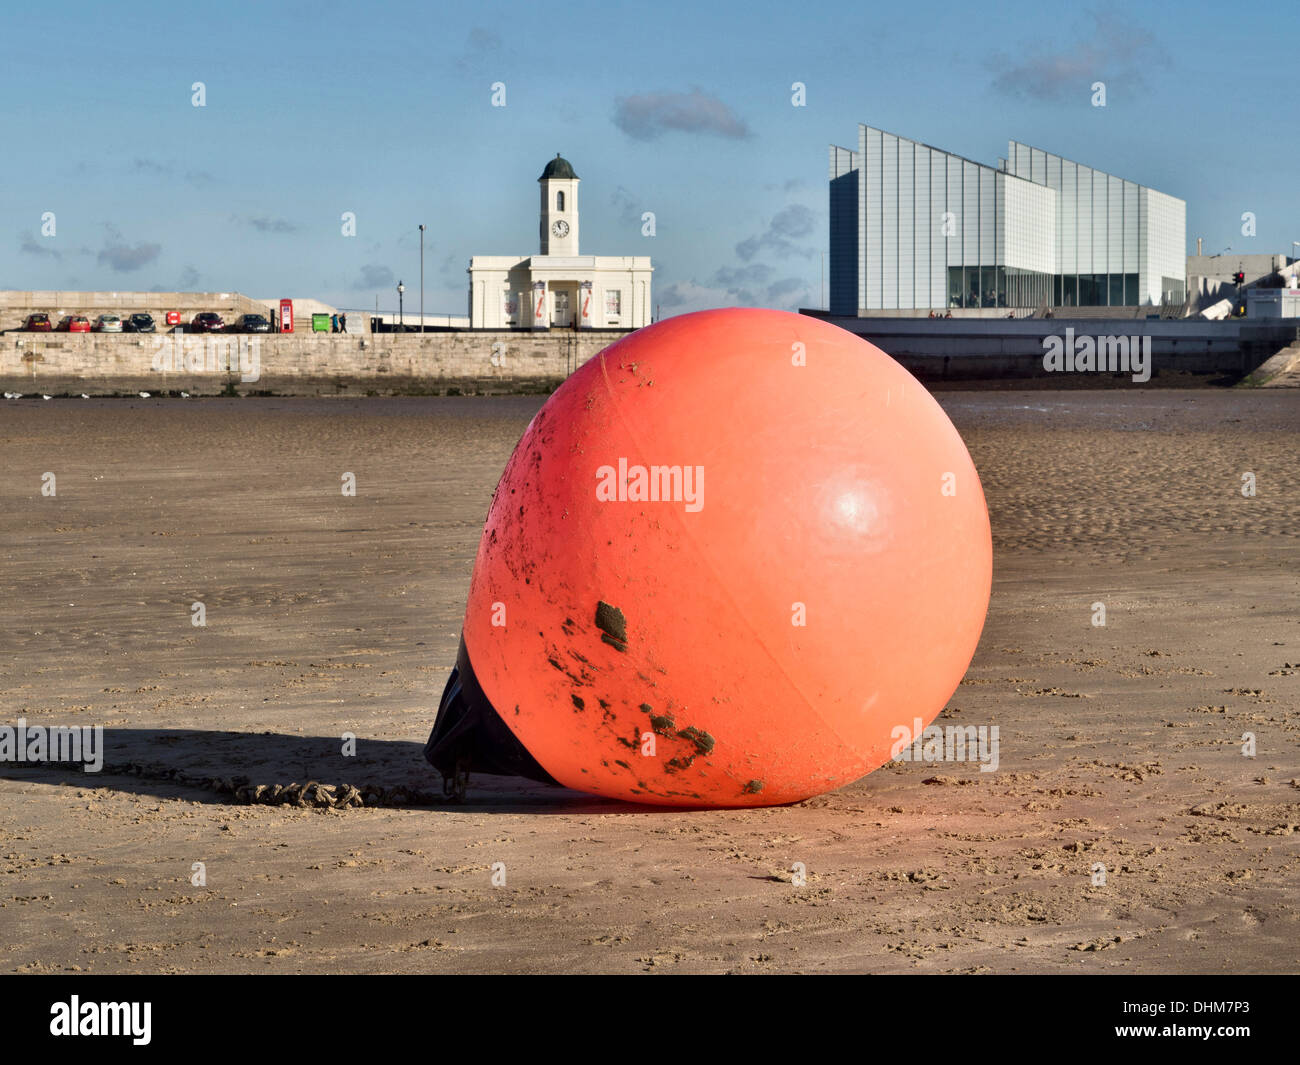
(728, 557)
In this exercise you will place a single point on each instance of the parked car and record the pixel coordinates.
(207, 322)
(251, 323)
(37, 323)
(73, 323)
(139, 323)
(108, 323)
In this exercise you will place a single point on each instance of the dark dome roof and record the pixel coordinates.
(559, 167)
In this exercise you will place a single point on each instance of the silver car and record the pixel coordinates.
(108, 323)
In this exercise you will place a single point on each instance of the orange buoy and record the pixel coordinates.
(729, 556)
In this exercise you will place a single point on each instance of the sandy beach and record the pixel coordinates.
(1120, 745)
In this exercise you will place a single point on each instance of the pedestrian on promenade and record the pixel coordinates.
(343, 322)
(334, 323)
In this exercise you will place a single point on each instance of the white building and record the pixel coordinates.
(1273, 302)
(559, 288)
(916, 229)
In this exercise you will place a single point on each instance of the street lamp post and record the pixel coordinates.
(421, 278)
(401, 322)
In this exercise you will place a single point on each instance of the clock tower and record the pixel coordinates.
(558, 287)
(559, 216)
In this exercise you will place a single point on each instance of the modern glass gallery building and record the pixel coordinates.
(913, 228)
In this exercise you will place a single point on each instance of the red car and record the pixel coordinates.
(37, 323)
(74, 323)
(207, 322)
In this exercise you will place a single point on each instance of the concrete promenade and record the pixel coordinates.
(301, 364)
(986, 349)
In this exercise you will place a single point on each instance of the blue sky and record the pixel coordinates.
(683, 109)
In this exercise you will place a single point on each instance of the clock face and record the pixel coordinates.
(560, 228)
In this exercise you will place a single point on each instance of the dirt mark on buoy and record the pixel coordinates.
(702, 740)
(612, 625)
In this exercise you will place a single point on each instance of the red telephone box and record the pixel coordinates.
(286, 316)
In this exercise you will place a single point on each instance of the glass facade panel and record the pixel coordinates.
(1083, 221)
(998, 286)
(1094, 290)
(970, 217)
(939, 242)
(889, 220)
(872, 144)
(1067, 222)
(1115, 227)
(1100, 264)
(922, 295)
(988, 224)
(1132, 224)
(906, 225)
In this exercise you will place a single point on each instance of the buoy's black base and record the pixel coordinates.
(470, 737)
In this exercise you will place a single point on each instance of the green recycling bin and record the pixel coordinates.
(320, 323)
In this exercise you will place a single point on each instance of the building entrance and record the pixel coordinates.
(562, 309)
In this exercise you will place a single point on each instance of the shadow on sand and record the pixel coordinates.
(242, 768)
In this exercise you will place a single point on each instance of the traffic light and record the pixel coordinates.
(1239, 277)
